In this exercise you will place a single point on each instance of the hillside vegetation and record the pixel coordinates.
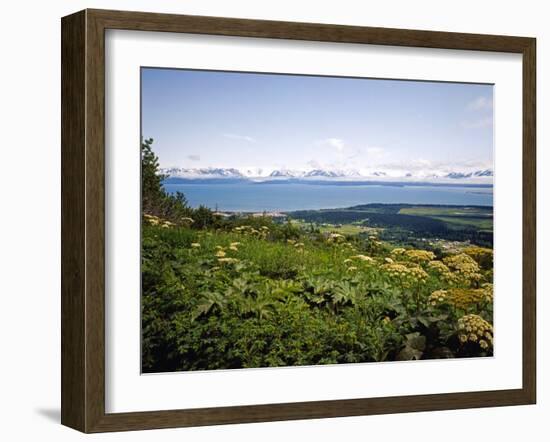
(246, 291)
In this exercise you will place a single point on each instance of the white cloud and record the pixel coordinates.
(335, 143)
(424, 167)
(194, 157)
(479, 123)
(314, 164)
(420, 162)
(374, 150)
(240, 137)
(481, 103)
(375, 153)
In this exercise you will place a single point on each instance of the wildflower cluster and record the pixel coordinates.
(363, 258)
(438, 297)
(475, 329)
(482, 255)
(488, 289)
(419, 256)
(398, 253)
(335, 238)
(461, 298)
(221, 253)
(407, 276)
(153, 220)
(464, 266)
(442, 271)
(262, 232)
(228, 260)
(374, 244)
(354, 261)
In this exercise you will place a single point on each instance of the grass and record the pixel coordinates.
(442, 211)
(456, 218)
(344, 229)
(275, 259)
(480, 224)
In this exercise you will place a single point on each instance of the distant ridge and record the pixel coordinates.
(478, 178)
(319, 182)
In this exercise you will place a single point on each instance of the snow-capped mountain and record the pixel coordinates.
(203, 172)
(264, 174)
(477, 173)
(322, 173)
(286, 174)
(486, 172)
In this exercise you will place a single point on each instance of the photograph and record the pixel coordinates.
(303, 220)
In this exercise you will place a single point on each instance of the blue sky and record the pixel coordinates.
(246, 120)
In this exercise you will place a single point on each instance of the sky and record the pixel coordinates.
(273, 121)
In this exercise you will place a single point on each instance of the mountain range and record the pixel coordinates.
(258, 174)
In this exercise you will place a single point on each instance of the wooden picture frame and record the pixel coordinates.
(83, 220)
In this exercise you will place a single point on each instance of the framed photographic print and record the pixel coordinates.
(269, 220)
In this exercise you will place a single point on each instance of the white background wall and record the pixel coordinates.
(30, 216)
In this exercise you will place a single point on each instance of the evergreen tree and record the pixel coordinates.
(156, 201)
(153, 195)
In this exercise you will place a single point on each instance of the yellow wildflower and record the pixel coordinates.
(228, 260)
(463, 266)
(419, 256)
(459, 298)
(335, 238)
(152, 219)
(479, 330)
(363, 258)
(441, 270)
(437, 297)
(407, 276)
(488, 289)
(483, 256)
(397, 253)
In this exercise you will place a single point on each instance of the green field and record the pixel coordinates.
(456, 218)
(449, 211)
(343, 229)
(405, 223)
(459, 222)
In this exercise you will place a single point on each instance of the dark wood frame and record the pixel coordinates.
(83, 216)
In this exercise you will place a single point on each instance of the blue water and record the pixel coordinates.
(249, 197)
